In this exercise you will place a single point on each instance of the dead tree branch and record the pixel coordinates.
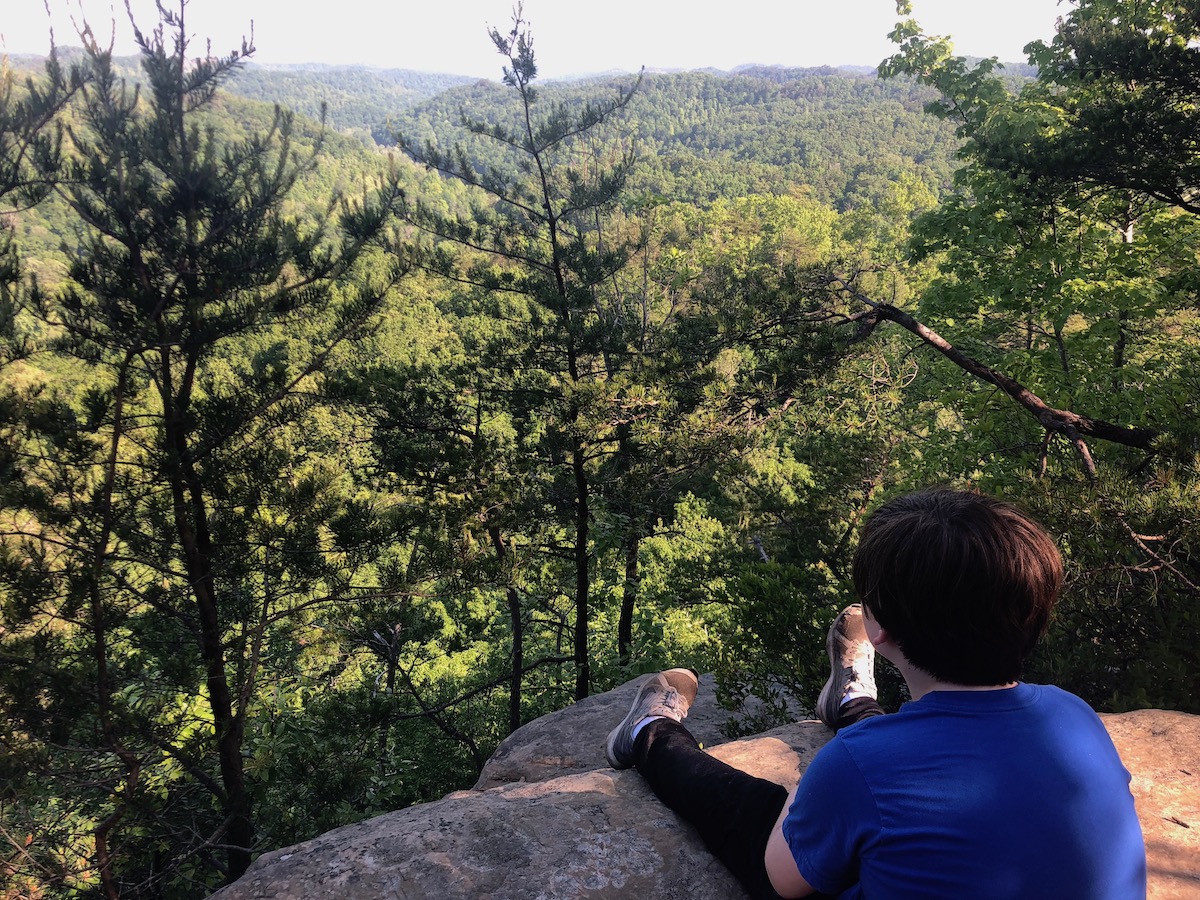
(1073, 426)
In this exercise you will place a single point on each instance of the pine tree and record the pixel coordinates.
(536, 243)
(169, 520)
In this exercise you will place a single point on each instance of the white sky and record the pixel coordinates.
(570, 36)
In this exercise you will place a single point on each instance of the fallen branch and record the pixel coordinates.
(1073, 426)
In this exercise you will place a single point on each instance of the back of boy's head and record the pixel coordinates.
(964, 583)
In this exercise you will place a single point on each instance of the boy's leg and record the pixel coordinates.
(850, 694)
(856, 710)
(734, 812)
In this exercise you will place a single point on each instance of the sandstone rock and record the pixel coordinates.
(1161, 750)
(602, 834)
(598, 834)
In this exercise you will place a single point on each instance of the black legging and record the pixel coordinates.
(733, 811)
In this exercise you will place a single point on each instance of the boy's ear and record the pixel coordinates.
(878, 636)
(881, 639)
(876, 633)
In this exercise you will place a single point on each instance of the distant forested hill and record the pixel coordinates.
(839, 135)
(355, 96)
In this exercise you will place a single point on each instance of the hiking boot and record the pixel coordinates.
(668, 694)
(851, 662)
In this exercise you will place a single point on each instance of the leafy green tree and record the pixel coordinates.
(1057, 277)
(31, 145)
(1064, 258)
(1117, 108)
(807, 417)
(451, 438)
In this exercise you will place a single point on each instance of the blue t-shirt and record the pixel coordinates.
(1011, 793)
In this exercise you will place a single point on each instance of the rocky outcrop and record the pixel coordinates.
(528, 831)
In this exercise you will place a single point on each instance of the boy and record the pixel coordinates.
(981, 787)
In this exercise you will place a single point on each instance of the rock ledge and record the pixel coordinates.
(548, 820)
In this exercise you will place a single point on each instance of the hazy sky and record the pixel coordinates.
(570, 36)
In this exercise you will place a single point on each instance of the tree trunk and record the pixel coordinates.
(191, 526)
(629, 596)
(582, 663)
(389, 687)
(228, 725)
(1122, 318)
(1119, 350)
(518, 658)
(518, 633)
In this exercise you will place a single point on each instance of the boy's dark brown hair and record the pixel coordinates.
(963, 582)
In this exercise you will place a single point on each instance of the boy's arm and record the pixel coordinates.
(781, 865)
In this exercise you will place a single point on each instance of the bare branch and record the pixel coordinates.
(1071, 425)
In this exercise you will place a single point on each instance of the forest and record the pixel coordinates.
(350, 420)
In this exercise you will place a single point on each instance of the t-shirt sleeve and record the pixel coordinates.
(832, 820)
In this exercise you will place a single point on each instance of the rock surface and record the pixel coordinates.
(597, 833)
(1161, 750)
